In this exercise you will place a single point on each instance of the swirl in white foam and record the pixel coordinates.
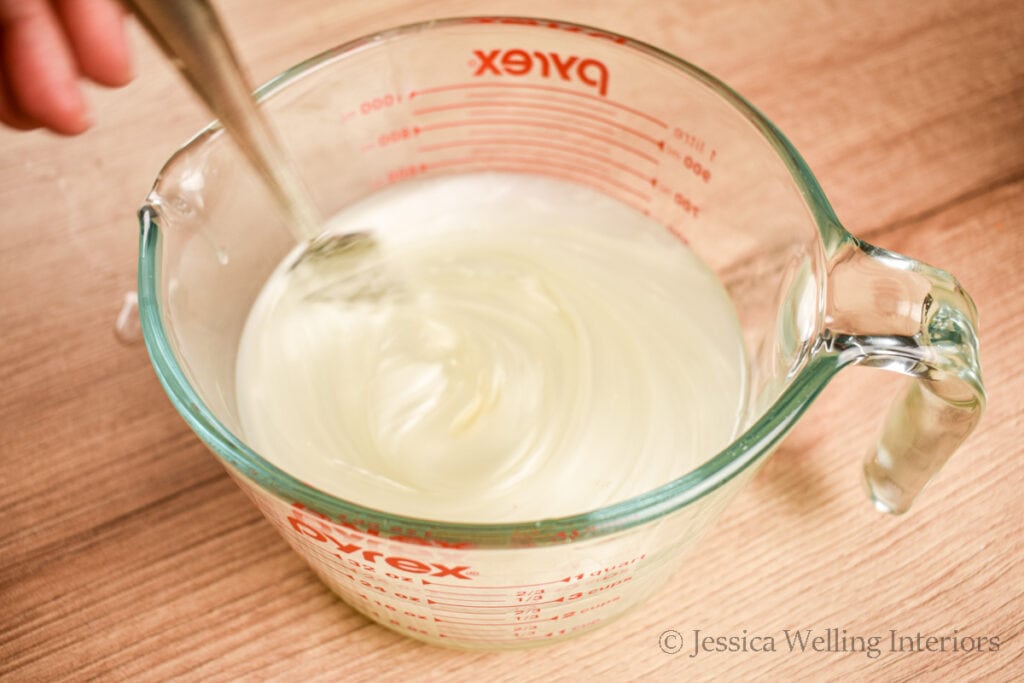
(509, 348)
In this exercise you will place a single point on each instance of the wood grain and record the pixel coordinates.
(127, 554)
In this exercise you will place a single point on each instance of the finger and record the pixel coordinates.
(9, 112)
(40, 70)
(96, 31)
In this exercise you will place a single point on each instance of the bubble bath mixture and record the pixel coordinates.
(509, 348)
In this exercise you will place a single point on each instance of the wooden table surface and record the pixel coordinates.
(127, 553)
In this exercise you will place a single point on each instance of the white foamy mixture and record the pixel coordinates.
(513, 348)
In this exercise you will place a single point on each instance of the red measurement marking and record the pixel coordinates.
(686, 204)
(538, 123)
(405, 172)
(491, 623)
(476, 611)
(523, 585)
(434, 593)
(500, 606)
(690, 140)
(377, 103)
(677, 230)
(543, 107)
(538, 143)
(527, 97)
(503, 635)
(479, 640)
(513, 135)
(697, 168)
(546, 88)
(475, 599)
(395, 136)
(474, 626)
(584, 128)
(533, 164)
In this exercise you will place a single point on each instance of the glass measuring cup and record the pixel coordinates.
(561, 100)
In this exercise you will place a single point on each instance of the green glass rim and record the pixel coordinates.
(758, 439)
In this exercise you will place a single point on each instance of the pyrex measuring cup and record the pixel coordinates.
(566, 101)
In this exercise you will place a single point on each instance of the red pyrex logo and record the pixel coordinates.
(547, 64)
(346, 546)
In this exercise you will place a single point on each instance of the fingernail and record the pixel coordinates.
(87, 118)
(77, 117)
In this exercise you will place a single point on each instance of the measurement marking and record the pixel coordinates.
(544, 107)
(469, 601)
(527, 100)
(512, 636)
(470, 622)
(466, 591)
(500, 606)
(546, 88)
(547, 583)
(521, 585)
(582, 127)
(533, 164)
(539, 143)
(538, 123)
(497, 595)
(506, 624)
(484, 640)
(535, 98)
(367, 147)
(475, 611)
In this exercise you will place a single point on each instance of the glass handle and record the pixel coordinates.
(887, 311)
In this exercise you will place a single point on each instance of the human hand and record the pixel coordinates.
(45, 46)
